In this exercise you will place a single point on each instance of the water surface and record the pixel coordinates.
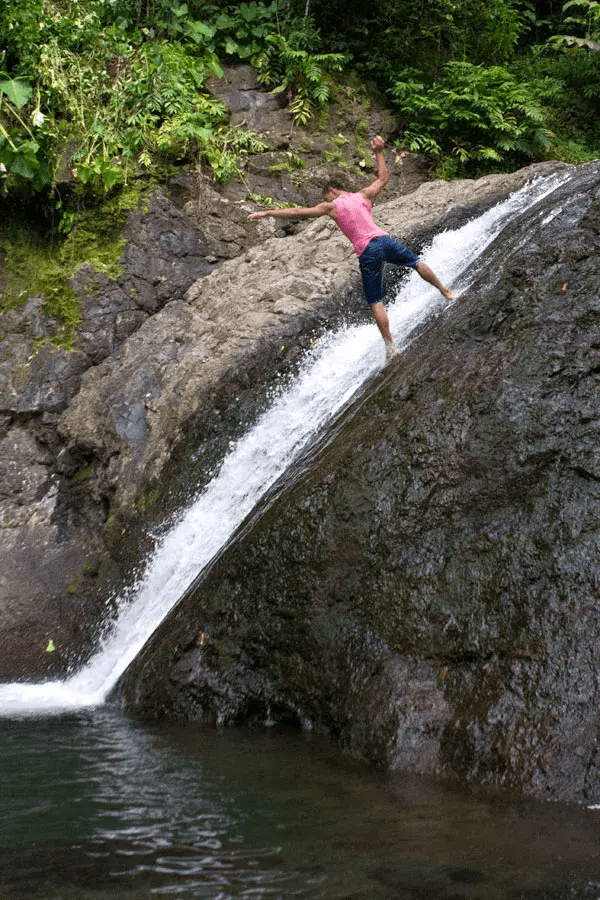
(95, 805)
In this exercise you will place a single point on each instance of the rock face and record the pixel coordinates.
(428, 592)
(208, 310)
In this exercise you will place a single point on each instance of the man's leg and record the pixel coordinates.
(428, 275)
(383, 323)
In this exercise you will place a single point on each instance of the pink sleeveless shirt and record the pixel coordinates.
(355, 218)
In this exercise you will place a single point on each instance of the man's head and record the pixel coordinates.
(332, 190)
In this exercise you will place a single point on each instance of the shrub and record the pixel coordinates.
(483, 116)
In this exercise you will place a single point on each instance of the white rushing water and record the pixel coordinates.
(332, 373)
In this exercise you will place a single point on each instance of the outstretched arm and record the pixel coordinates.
(325, 208)
(383, 176)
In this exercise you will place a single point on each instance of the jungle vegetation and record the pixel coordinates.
(116, 88)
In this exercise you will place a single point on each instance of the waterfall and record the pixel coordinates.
(331, 374)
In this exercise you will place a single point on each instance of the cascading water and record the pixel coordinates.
(332, 373)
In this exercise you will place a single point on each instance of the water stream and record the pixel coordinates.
(332, 374)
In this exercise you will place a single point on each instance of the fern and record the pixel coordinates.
(478, 114)
(305, 75)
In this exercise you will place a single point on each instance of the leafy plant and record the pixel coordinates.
(587, 20)
(23, 153)
(567, 81)
(227, 147)
(267, 201)
(19, 33)
(117, 99)
(243, 29)
(305, 75)
(481, 115)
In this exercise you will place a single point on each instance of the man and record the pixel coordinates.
(374, 247)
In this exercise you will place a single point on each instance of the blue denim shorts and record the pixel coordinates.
(381, 250)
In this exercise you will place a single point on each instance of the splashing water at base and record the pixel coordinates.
(333, 372)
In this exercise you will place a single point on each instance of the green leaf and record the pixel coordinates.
(84, 172)
(110, 177)
(198, 31)
(22, 166)
(18, 90)
(215, 67)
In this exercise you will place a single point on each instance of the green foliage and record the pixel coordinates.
(226, 147)
(480, 115)
(19, 33)
(37, 266)
(17, 90)
(243, 29)
(33, 269)
(305, 75)
(290, 163)
(267, 201)
(586, 21)
(24, 147)
(486, 32)
(115, 88)
(384, 39)
(116, 100)
(568, 82)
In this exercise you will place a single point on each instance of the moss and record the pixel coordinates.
(83, 474)
(332, 156)
(323, 117)
(269, 202)
(340, 140)
(146, 501)
(35, 265)
(289, 163)
(276, 169)
(76, 587)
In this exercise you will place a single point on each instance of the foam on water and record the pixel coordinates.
(332, 373)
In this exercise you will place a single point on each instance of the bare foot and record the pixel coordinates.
(449, 295)
(390, 351)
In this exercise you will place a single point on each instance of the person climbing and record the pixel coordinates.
(352, 213)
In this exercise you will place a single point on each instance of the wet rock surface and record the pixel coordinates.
(428, 592)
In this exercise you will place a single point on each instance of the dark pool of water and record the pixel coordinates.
(99, 806)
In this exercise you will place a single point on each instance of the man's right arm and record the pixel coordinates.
(326, 208)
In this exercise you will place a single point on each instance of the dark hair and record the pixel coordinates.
(333, 184)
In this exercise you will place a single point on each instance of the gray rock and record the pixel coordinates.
(258, 110)
(164, 373)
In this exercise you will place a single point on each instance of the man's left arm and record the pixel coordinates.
(321, 209)
(383, 176)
